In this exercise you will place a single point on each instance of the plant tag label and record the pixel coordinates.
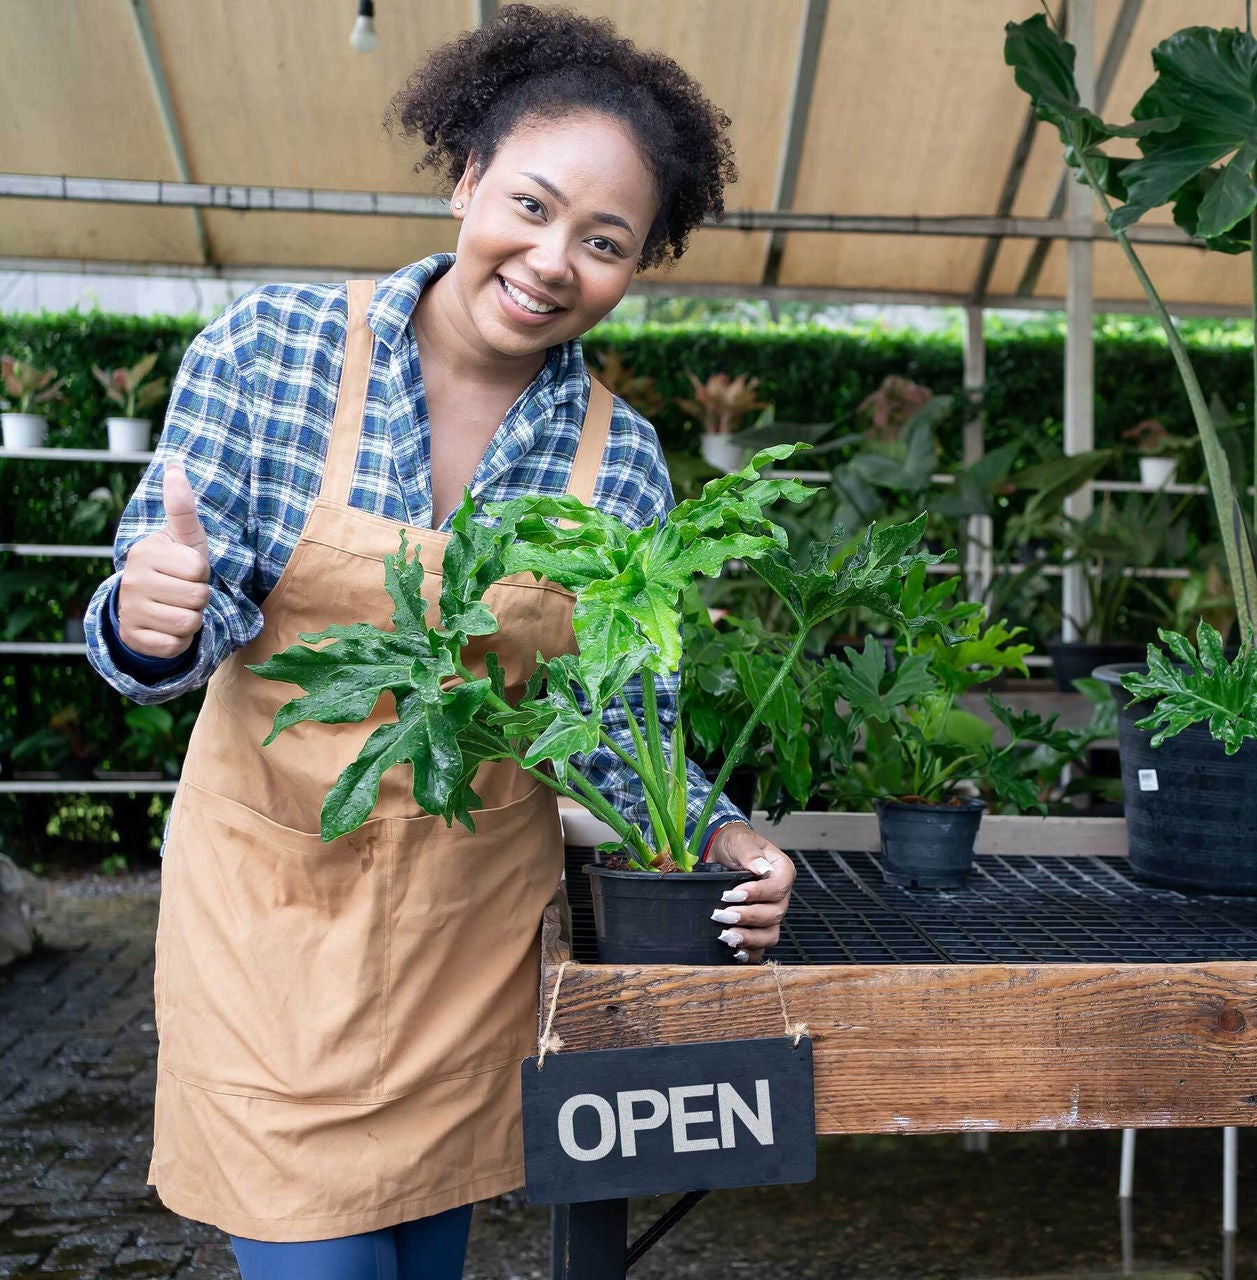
(1148, 780)
(613, 1123)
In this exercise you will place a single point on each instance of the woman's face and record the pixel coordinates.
(551, 232)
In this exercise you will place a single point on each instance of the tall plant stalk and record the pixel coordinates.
(1235, 540)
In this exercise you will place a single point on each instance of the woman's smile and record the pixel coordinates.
(535, 307)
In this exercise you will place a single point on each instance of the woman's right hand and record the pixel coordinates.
(164, 587)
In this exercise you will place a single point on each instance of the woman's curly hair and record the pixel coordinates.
(537, 63)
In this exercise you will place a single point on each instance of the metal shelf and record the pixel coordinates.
(44, 646)
(75, 455)
(56, 549)
(99, 785)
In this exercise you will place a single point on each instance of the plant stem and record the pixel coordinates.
(649, 779)
(1239, 558)
(585, 794)
(735, 753)
(1252, 258)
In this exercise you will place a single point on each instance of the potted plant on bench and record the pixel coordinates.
(1196, 129)
(628, 586)
(925, 761)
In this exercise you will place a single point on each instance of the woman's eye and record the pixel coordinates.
(603, 245)
(531, 204)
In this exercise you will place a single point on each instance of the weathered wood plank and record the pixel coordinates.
(857, 833)
(917, 1049)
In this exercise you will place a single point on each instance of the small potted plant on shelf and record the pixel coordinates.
(133, 390)
(721, 404)
(26, 388)
(1159, 451)
(1195, 129)
(925, 761)
(628, 586)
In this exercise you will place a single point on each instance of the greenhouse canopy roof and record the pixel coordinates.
(886, 153)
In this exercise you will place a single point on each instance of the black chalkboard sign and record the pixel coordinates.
(628, 1122)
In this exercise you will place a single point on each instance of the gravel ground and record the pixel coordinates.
(76, 1053)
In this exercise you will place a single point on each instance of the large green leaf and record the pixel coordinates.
(342, 681)
(1043, 65)
(472, 563)
(425, 735)
(863, 681)
(1207, 81)
(1201, 687)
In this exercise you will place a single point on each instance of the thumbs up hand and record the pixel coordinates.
(163, 591)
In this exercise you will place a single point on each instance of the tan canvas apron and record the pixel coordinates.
(341, 1025)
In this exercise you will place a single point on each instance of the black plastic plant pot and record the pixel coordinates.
(928, 846)
(642, 917)
(1073, 660)
(1191, 809)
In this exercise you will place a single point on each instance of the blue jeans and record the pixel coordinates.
(425, 1249)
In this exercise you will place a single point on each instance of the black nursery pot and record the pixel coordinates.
(928, 846)
(1073, 660)
(642, 917)
(1191, 809)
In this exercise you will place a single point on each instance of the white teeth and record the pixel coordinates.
(529, 304)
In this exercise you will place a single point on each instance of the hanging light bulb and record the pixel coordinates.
(363, 38)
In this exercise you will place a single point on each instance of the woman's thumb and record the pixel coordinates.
(182, 522)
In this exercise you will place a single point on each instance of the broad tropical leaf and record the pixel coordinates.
(1200, 688)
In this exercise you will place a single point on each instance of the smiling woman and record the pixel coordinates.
(341, 1024)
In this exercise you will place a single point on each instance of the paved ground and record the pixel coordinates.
(77, 1052)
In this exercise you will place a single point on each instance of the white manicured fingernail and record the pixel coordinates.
(733, 895)
(726, 917)
(762, 866)
(741, 956)
(731, 938)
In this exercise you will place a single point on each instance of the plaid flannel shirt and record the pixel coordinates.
(250, 418)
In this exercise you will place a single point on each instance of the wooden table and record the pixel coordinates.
(941, 1047)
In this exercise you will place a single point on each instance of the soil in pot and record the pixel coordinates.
(928, 846)
(644, 917)
(1191, 809)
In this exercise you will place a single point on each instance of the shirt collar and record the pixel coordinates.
(395, 298)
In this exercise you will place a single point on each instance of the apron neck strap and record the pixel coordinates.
(351, 398)
(351, 402)
(593, 441)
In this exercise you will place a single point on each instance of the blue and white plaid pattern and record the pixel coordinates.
(250, 418)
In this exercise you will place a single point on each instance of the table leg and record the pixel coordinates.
(589, 1241)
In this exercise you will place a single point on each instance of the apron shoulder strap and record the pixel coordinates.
(351, 397)
(593, 441)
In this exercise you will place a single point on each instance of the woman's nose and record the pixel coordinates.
(550, 260)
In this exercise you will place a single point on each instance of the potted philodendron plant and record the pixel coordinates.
(1196, 130)
(133, 390)
(721, 405)
(926, 761)
(26, 388)
(1159, 451)
(628, 586)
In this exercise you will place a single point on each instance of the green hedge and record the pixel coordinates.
(814, 374)
(810, 373)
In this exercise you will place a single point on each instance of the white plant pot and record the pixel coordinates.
(721, 452)
(1156, 473)
(129, 435)
(24, 430)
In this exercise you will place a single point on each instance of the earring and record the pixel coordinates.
(458, 204)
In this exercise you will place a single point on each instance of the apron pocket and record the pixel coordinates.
(464, 948)
(275, 964)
